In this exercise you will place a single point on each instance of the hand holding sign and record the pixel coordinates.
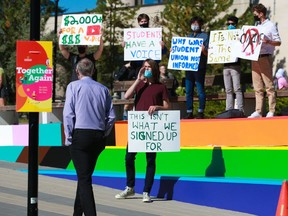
(84, 29)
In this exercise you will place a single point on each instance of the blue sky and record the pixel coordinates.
(74, 6)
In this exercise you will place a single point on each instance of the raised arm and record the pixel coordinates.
(130, 92)
(62, 48)
(99, 51)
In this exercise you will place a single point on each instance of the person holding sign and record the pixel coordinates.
(74, 58)
(88, 117)
(197, 77)
(150, 95)
(262, 74)
(231, 75)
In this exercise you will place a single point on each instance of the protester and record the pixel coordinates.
(88, 118)
(134, 66)
(231, 75)
(150, 95)
(168, 75)
(3, 88)
(262, 69)
(197, 78)
(281, 80)
(144, 22)
(74, 58)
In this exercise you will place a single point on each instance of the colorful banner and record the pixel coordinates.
(142, 43)
(34, 76)
(185, 53)
(81, 29)
(159, 132)
(249, 45)
(222, 46)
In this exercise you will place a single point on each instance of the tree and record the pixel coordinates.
(116, 16)
(15, 25)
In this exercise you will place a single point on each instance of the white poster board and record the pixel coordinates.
(185, 53)
(81, 29)
(142, 43)
(222, 46)
(159, 132)
(249, 44)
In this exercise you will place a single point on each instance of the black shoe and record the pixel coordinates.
(200, 115)
(189, 116)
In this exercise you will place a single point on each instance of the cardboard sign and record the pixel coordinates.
(81, 29)
(159, 132)
(222, 46)
(249, 44)
(142, 43)
(185, 53)
(34, 76)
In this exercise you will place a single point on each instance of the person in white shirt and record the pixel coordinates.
(262, 76)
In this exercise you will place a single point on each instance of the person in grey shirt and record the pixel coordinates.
(88, 117)
(232, 75)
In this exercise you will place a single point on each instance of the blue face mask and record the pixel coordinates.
(148, 74)
(231, 27)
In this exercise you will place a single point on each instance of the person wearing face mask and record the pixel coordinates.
(262, 75)
(144, 22)
(231, 75)
(150, 95)
(197, 78)
(74, 58)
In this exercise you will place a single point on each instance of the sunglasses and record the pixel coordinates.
(230, 24)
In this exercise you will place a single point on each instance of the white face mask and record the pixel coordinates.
(195, 28)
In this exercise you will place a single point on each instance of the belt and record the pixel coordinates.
(264, 55)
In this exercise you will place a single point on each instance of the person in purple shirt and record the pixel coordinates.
(88, 118)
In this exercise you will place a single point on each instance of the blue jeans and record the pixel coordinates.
(192, 78)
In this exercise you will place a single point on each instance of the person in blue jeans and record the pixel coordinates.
(197, 78)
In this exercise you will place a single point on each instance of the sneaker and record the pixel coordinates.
(255, 115)
(200, 115)
(269, 115)
(189, 116)
(126, 193)
(146, 197)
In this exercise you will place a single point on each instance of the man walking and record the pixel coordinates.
(88, 118)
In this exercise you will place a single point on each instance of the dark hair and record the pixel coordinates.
(260, 8)
(155, 69)
(197, 19)
(233, 18)
(143, 16)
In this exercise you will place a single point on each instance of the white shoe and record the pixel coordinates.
(255, 115)
(146, 197)
(126, 193)
(269, 115)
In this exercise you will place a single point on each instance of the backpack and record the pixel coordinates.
(233, 113)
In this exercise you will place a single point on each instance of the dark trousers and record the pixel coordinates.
(150, 169)
(85, 149)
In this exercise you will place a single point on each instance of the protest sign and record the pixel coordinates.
(222, 46)
(81, 29)
(185, 53)
(159, 132)
(34, 76)
(142, 43)
(249, 44)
